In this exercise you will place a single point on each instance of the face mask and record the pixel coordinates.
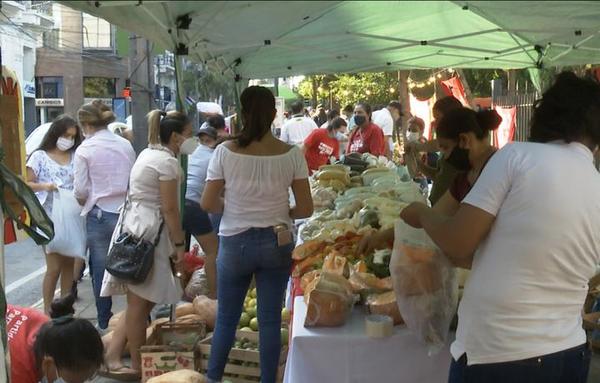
(188, 146)
(58, 379)
(359, 120)
(413, 136)
(459, 158)
(64, 144)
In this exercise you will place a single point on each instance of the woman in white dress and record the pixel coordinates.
(48, 168)
(152, 200)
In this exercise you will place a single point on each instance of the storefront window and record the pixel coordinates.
(49, 87)
(99, 87)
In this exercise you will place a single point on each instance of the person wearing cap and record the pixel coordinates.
(196, 221)
(385, 119)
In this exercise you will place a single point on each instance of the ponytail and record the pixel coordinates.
(72, 342)
(488, 120)
(464, 120)
(258, 112)
(154, 126)
(161, 125)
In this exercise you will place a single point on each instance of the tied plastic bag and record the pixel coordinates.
(425, 285)
(198, 285)
(329, 301)
(69, 226)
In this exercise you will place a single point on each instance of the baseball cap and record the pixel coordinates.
(209, 131)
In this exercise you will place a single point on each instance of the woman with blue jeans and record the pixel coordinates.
(255, 170)
(102, 166)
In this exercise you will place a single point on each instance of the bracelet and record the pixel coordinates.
(180, 244)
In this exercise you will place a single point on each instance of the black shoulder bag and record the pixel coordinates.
(130, 258)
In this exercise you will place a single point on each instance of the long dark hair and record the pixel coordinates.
(258, 112)
(161, 129)
(464, 120)
(569, 110)
(73, 343)
(59, 126)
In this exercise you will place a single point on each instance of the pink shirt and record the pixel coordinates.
(102, 166)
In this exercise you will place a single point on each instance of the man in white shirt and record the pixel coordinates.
(385, 119)
(295, 130)
(531, 240)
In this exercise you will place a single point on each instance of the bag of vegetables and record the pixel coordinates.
(425, 285)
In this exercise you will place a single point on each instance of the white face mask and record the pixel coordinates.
(189, 145)
(64, 144)
(413, 136)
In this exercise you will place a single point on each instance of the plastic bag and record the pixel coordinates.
(425, 285)
(329, 301)
(69, 226)
(198, 285)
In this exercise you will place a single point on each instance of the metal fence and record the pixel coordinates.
(524, 103)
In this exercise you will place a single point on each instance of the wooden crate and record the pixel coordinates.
(235, 371)
(172, 346)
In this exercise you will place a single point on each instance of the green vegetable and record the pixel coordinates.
(380, 270)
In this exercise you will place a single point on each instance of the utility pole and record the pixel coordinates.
(141, 74)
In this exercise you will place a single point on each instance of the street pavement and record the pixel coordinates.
(25, 266)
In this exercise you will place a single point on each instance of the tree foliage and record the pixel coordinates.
(350, 88)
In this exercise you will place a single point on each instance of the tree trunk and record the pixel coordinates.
(404, 99)
(315, 87)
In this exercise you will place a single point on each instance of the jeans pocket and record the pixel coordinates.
(275, 257)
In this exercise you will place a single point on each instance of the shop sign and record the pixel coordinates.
(41, 102)
(29, 89)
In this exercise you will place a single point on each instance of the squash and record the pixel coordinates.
(179, 376)
(206, 309)
(190, 318)
(184, 309)
(336, 264)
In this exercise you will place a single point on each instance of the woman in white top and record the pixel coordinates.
(151, 210)
(255, 170)
(48, 168)
(530, 229)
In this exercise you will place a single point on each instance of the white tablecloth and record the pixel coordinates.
(346, 355)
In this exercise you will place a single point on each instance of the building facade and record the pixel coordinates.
(79, 62)
(22, 24)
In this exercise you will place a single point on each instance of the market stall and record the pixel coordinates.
(347, 354)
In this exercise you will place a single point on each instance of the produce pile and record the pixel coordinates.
(249, 321)
(352, 198)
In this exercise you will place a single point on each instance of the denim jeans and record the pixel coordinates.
(568, 366)
(252, 253)
(100, 226)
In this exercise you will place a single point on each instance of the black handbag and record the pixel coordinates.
(130, 259)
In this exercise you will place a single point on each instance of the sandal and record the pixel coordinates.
(118, 374)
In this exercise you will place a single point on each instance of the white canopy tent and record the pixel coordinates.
(260, 39)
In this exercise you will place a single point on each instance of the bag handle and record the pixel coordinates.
(126, 206)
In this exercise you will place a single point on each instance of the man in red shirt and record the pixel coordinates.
(366, 137)
(322, 144)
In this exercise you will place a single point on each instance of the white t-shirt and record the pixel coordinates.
(295, 130)
(256, 187)
(529, 277)
(383, 119)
